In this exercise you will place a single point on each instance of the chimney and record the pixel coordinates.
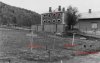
(50, 9)
(90, 11)
(63, 9)
(59, 8)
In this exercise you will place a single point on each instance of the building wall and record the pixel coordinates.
(49, 28)
(39, 28)
(53, 21)
(86, 26)
(60, 28)
(52, 18)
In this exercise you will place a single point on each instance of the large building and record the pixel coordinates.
(53, 21)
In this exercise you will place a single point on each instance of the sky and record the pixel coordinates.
(42, 6)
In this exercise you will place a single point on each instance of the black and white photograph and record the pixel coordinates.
(49, 31)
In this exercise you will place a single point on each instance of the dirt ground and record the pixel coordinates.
(14, 44)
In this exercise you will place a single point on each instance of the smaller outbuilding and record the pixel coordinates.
(89, 22)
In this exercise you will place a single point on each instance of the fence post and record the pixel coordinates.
(61, 61)
(73, 39)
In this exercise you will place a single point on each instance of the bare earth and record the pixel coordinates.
(14, 41)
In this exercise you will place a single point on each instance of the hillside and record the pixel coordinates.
(19, 16)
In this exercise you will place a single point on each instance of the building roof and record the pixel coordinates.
(53, 12)
(91, 15)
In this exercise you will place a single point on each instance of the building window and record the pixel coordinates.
(44, 21)
(48, 21)
(44, 15)
(94, 26)
(49, 15)
(54, 14)
(53, 20)
(58, 20)
(59, 14)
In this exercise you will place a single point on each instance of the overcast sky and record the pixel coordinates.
(41, 6)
